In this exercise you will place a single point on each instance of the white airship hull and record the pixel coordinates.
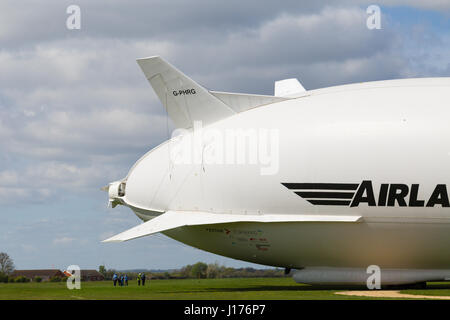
(369, 162)
(370, 135)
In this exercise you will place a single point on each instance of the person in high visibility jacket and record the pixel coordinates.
(139, 278)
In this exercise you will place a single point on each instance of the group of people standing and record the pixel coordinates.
(122, 280)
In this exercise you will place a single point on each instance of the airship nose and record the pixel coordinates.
(116, 191)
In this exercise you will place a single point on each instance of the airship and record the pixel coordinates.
(323, 183)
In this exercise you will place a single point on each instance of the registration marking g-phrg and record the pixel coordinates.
(183, 92)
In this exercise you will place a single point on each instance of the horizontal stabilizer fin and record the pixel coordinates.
(240, 102)
(175, 219)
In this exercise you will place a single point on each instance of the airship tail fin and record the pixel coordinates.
(185, 100)
(175, 219)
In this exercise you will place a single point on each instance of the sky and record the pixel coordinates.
(76, 111)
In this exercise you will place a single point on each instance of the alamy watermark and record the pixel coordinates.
(73, 22)
(374, 18)
(374, 280)
(74, 279)
(238, 146)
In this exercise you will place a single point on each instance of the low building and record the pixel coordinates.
(91, 275)
(44, 274)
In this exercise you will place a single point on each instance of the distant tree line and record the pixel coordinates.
(200, 270)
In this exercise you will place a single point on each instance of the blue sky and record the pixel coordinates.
(408, 16)
(76, 112)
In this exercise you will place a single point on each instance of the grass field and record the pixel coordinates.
(217, 289)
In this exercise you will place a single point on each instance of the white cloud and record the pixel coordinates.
(8, 177)
(63, 241)
(29, 249)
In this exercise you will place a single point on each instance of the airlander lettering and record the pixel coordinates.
(354, 195)
(210, 146)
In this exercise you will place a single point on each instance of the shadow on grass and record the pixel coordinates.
(307, 288)
(269, 288)
(445, 286)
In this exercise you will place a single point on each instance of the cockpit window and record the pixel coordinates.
(121, 192)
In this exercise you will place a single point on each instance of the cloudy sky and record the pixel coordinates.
(76, 112)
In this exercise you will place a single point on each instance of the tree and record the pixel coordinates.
(6, 264)
(214, 270)
(199, 270)
(186, 271)
(102, 270)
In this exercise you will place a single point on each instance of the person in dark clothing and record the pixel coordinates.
(143, 279)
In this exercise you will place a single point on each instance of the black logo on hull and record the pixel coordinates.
(354, 194)
(325, 194)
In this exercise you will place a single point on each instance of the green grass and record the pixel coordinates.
(217, 289)
(433, 289)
